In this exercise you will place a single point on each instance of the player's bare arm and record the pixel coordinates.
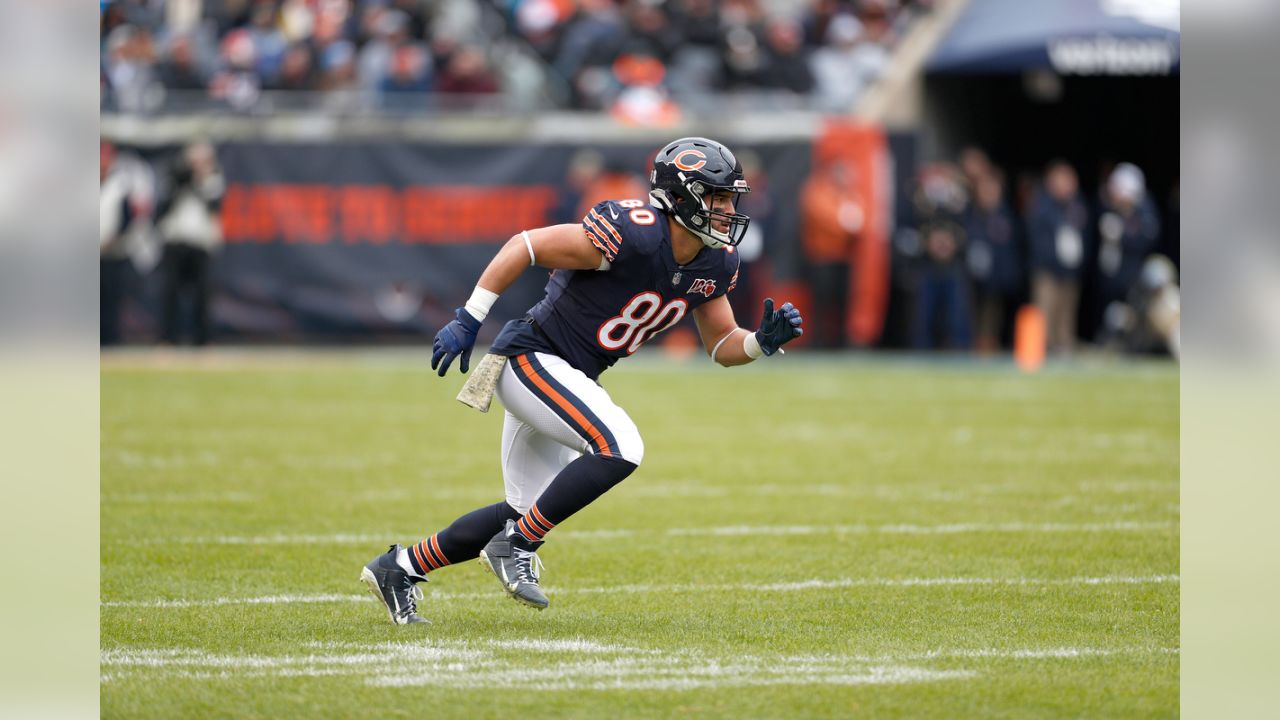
(729, 344)
(558, 247)
(721, 336)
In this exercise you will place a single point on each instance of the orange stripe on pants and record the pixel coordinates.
(597, 438)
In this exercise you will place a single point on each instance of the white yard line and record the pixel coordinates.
(567, 664)
(261, 600)
(724, 531)
(815, 584)
(905, 529)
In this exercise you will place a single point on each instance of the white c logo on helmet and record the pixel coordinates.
(679, 160)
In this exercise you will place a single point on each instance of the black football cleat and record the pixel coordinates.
(515, 562)
(397, 589)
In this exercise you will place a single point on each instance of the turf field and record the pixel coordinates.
(808, 537)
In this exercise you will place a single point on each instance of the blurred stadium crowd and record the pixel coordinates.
(643, 60)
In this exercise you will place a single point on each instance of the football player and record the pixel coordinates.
(630, 270)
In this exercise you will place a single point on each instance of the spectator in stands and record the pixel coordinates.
(237, 82)
(541, 22)
(818, 17)
(651, 29)
(696, 67)
(640, 96)
(297, 21)
(409, 80)
(181, 69)
(743, 52)
(590, 42)
(468, 73)
(699, 22)
(443, 48)
(833, 215)
(1128, 232)
(269, 44)
(848, 64)
(389, 31)
(993, 256)
(1058, 228)
(787, 67)
(129, 68)
(333, 22)
(190, 228)
(297, 71)
(338, 77)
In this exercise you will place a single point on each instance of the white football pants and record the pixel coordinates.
(554, 414)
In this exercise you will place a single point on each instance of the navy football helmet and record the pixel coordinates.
(686, 173)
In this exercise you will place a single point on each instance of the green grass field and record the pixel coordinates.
(808, 537)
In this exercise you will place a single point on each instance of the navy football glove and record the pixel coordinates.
(456, 338)
(778, 327)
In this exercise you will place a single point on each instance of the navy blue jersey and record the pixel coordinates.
(593, 317)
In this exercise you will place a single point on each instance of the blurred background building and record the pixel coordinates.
(341, 170)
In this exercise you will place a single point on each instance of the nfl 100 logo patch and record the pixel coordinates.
(702, 285)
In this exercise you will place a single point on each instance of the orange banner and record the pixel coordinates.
(866, 149)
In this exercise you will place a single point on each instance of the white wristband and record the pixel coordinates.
(751, 346)
(481, 303)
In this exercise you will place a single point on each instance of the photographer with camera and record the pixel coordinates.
(191, 230)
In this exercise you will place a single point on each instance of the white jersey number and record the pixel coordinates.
(641, 319)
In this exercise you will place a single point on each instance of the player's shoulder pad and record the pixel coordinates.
(622, 227)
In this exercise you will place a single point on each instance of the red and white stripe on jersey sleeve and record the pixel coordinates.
(602, 234)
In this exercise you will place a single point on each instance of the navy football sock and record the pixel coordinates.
(577, 486)
(463, 540)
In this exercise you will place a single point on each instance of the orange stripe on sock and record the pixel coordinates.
(533, 523)
(597, 438)
(529, 532)
(435, 545)
(417, 552)
(426, 550)
(541, 519)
